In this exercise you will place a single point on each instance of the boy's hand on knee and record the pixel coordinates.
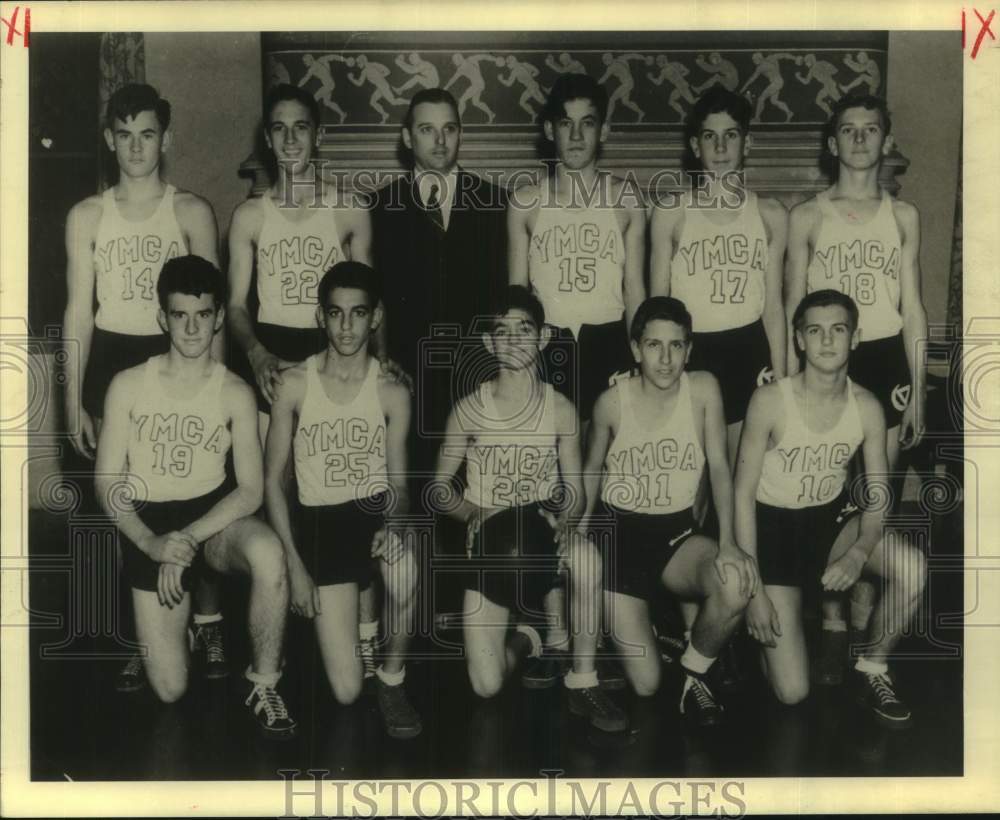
(763, 623)
(175, 547)
(843, 573)
(743, 563)
(169, 589)
(304, 598)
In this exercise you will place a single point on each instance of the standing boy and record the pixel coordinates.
(346, 427)
(721, 254)
(169, 425)
(795, 513)
(651, 436)
(296, 231)
(116, 245)
(856, 238)
(578, 239)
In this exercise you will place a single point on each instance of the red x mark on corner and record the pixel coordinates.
(12, 28)
(984, 29)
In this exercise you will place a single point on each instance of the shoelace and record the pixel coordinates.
(213, 645)
(270, 701)
(883, 688)
(702, 694)
(593, 695)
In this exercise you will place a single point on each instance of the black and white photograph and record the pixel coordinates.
(600, 412)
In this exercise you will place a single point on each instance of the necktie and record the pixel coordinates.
(434, 206)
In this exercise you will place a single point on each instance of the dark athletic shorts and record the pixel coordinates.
(514, 559)
(110, 353)
(141, 571)
(335, 541)
(638, 546)
(740, 359)
(293, 344)
(793, 546)
(881, 366)
(581, 369)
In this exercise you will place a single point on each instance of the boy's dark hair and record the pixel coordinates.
(824, 298)
(283, 92)
(866, 101)
(718, 100)
(666, 308)
(574, 87)
(430, 95)
(131, 100)
(193, 276)
(350, 274)
(518, 297)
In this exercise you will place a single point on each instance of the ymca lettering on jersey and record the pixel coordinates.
(291, 259)
(177, 447)
(577, 239)
(188, 429)
(127, 258)
(849, 257)
(724, 251)
(664, 454)
(339, 449)
(131, 250)
(862, 260)
(514, 473)
(804, 468)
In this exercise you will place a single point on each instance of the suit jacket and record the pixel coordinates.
(437, 282)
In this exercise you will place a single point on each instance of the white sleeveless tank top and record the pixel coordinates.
(128, 258)
(509, 462)
(862, 261)
(576, 265)
(718, 271)
(658, 470)
(177, 447)
(339, 449)
(291, 259)
(806, 469)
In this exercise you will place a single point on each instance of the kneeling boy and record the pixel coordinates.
(168, 426)
(794, 511)
(520, 442)
(346, 425)
(654, 433)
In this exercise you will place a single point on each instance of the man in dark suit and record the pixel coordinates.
(440, 246)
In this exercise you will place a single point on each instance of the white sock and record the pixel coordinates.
(693, 661)
(200, 620)
(687, 636)
(266, 678)
(834, 625)
(533, 636)
(871, 667)
(368, 630)
(391, 678)
(580, 680)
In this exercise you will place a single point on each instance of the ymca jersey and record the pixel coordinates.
(654, 471)
(576, 265)
(339, 448)
(177, 446)
(718, 271)
(863, 262)
(291, 259)
(128, 258)
(509, 462)
(807, 469)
